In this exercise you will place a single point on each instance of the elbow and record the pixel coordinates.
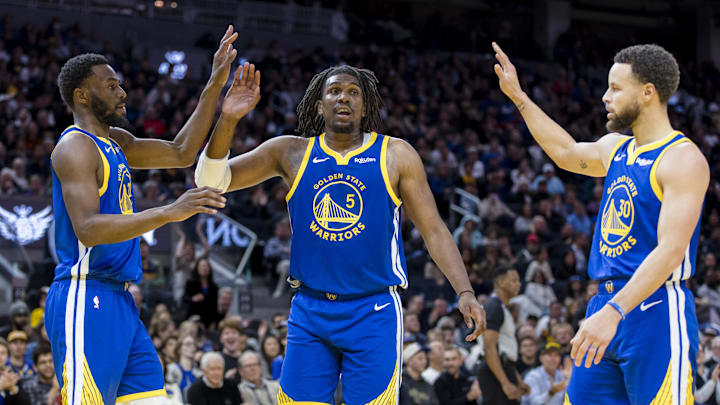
(86, 236)
(186, 159)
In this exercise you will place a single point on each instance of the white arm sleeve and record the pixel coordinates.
(213, 172)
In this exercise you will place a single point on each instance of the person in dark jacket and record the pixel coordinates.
(201, 293)
(212, 388)
(455, 386)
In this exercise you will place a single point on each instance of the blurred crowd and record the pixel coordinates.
(525, 236)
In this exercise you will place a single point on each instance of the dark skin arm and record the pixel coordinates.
(407, 175)
(145, 153)
(77, 164)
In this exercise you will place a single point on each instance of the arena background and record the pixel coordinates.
(493, 185)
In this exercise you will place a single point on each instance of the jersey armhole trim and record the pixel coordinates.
(653, 171)
(617, 146)
(301, 170)
(106, 172)
(384, 170)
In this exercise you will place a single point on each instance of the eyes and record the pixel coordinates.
(336, 90)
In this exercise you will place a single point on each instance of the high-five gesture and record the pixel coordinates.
(224, 57)
(505, 71)
(244, 93)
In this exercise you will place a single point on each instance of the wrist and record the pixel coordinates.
(229, 119)
(519, 98)
(616, 310)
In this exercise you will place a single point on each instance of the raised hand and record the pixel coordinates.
(195, 201)
(472, 311)
(506, 73)
(223, 58)
(244, 93)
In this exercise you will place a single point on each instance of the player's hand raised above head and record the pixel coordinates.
(244, 93)
(223, 58)
(195, 201)
(506, 73)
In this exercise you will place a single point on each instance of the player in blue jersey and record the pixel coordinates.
(347, 184)
(101, 350)
(639, 341)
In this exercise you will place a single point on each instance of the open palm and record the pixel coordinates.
(244, 93)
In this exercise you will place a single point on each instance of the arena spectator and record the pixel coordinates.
(185, 371)
(528, 359)
(436, 357)
(234, 342)
(414, 389)
(42, 388)
(201, 293)
(254, 388)
(547, 382)
(19, 319)
(271, 349)
(455, 386)
(212, 388)
(17, 344)
(277, 254)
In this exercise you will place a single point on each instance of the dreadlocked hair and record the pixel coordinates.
(310, 123)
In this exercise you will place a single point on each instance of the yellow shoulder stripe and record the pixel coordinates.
(301, 170)
(106, 172)
(653, 171)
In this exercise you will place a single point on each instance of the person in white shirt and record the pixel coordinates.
(435, 360)
(547, 383)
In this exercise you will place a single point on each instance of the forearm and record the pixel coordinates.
(493, 360)
(651, 275)
(221, 137)
(551, 137)
(445, 253)
(704, 393)
(192, 135)
(103, 229)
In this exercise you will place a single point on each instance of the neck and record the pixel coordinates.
(231, 352)
(90, 123)
(257, 383)
(18, 361)
(456, 374)
(652, 125)
(503, 295)
(186, 362)
(46, 380)
(528, 359)
(437, 366)
(341, 142)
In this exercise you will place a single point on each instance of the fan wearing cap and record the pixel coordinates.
(553, 183)
(547, 383)
(414, 389)
(19, 319)
(17, 343)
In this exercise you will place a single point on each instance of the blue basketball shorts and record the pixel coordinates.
(101, 350)
(358, 339)
(651, 359)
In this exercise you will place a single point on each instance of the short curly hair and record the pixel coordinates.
(651, 63)
(75, 71)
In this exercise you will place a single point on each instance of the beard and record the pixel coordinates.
(343, 127)
(106, 114)
(624, 119)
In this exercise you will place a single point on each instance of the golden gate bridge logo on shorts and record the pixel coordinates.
(337, 208)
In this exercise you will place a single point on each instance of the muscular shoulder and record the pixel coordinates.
(402, 156)
(682, 162)
(74, 151)
(121, 136)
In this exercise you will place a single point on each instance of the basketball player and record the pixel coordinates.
(639, 340)
(101, 350)
(347, 184)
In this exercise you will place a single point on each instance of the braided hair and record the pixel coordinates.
(310, 123)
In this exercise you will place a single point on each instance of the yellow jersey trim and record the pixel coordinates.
(566, 401)
(284, 399)
(106, 172)
(140, 395)
(301, 170)
(653, 172)
(384, 170)
(664, 394)
(634, 152)
(615, 149)
(389, 396)
(344, 160)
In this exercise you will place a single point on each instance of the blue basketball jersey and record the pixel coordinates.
(112, 262)
(626, 227)
(345, 219)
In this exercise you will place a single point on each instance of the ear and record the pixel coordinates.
(648, 91)
(319, 107)
(81, 96)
